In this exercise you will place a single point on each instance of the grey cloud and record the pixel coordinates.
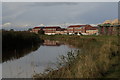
(53, 3)
(58, 13)
(101, 13)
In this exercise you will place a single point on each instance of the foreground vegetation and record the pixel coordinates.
(98, 57)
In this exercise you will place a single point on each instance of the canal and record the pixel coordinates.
(25, 62)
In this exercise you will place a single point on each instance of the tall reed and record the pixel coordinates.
(98, 58)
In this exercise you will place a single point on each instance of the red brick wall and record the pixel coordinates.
(50, 30)
(76, 29)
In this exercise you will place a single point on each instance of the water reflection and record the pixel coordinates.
(24, 62)
(51, 43)
(16, 53)
(21, 51)
(56, 43)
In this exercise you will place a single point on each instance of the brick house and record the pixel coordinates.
(36, 29)
(51, 30)
(92, 31)
(61, 31)
(78, 29)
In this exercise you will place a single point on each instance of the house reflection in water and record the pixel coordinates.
(56, 43)
(51, 43)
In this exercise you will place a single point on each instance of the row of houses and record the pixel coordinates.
(82, 29)
(108, 27)
(72, 29)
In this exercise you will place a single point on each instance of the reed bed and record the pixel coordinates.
(99, 58)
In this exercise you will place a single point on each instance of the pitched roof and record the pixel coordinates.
(72, 26)
(52, 27)
(38, 27)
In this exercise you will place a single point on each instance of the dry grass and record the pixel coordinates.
(98, 57)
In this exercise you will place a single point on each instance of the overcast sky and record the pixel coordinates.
(23, 15)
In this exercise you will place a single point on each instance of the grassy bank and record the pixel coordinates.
(98, 58)
(14, 39)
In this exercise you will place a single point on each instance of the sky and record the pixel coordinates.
(24, 15)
